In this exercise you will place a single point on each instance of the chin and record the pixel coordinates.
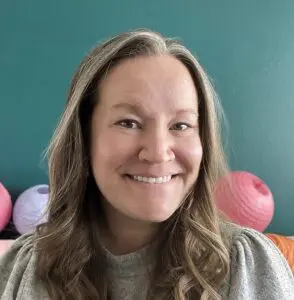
(155, 217)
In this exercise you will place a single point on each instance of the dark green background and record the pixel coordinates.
(247, 47)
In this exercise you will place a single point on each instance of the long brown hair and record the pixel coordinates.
(193, 259)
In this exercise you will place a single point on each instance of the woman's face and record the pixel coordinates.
(145, 144)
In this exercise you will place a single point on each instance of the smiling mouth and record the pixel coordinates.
(155, 180)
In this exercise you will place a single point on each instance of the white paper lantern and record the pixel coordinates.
(29, 208)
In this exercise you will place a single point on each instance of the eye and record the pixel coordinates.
(181, 126)
(129, 123)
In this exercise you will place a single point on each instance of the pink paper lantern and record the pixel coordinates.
(5, 245)
(245, 199)
(5, 207)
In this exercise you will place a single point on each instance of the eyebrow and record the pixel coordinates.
(124, 105)
(135, 108)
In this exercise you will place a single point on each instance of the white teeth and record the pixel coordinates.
(162, 179)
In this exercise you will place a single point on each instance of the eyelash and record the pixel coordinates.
(120, 123)
(128, 121)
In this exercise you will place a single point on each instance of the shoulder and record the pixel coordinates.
(258, 268)
(17, 271)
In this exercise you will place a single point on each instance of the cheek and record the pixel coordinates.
(190, 152)
(110, 149)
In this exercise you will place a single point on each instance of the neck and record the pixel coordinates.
(122, 235)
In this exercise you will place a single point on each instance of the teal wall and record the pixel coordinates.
(246, 46)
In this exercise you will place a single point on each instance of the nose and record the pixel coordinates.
(156, 146)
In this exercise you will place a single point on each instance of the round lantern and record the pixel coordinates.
(245, 199)
(5, 207)
(29, 208)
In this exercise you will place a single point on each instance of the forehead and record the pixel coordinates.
(155, 82)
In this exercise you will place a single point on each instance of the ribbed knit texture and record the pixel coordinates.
(128, 274)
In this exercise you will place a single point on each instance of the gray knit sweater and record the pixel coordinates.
(258, 271)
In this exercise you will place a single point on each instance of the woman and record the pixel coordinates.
(132, 167)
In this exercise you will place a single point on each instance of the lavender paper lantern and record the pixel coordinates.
(29, 208)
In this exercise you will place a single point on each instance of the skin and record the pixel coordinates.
(145, 124)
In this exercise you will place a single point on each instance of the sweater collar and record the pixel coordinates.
(132, 264)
